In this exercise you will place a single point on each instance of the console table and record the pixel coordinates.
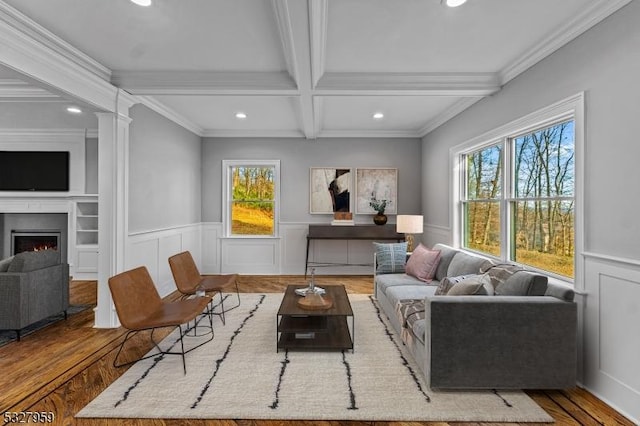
(355, 232)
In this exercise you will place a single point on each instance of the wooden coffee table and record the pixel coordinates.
(329, 329)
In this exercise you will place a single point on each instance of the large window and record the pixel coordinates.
(251, 194)
(518, 197)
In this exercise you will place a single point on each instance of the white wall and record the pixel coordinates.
(605, 64)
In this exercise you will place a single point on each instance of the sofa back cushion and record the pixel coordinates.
(446, 254)
(562, 293)
(31, 260)
(4, 264)
(464, 263)
(390, 258)
(523, 283)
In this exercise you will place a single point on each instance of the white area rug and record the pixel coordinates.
(239, 375)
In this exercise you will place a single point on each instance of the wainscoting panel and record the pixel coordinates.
(293, 248)
(211, 233)
(250, 256)
(153, 249)
(612, 332)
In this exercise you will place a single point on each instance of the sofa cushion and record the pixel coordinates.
(464, 263)
(446, 254)
(397, 293)
(448, 282)
(31, 260)
(390, 258)
(523, 283)
(422, 263)
(384, 281)
(477, 285)
(4, 264)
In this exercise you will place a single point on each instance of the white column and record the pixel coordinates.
(113, 212)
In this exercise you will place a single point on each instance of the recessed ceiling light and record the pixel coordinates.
(74, 110)
(241, 115)
(454, 3)
(378, 116)
(142, 2)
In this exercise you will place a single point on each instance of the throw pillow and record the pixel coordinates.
(423, 263)
(390, 258)
(477, 285)
(4, 264)
(501, 272)
(448, 282)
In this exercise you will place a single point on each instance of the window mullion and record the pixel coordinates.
(506, 206)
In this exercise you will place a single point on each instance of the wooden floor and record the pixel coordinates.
(63, 367)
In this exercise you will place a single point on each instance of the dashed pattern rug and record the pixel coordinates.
(239, 375)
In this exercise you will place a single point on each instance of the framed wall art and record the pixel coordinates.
(330, 190)
(380, 184)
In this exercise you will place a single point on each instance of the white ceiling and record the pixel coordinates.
(314, 68)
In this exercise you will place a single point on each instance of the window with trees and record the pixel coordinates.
(518, 198)
(251, 193)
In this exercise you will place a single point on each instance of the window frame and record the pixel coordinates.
(227, 195)
(571, 108)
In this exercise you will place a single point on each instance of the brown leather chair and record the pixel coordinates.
(189, 281)
(140, 307)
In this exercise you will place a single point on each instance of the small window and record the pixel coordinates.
(251, 198)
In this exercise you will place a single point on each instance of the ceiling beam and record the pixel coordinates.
(204, 83)
(408, 84)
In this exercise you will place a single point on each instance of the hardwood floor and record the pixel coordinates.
(64, 366)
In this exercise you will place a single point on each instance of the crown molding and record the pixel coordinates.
(157, 106)
(42, 135)
(232, 133)
(447, 114)
(368, 134)
(418, 84)
(571, 29)
(46, 38)
(318, 21)
(283, 21)
(14, 89)
(204, 83)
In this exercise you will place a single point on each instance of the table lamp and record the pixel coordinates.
(409, 224)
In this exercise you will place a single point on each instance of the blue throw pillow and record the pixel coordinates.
(390, 258)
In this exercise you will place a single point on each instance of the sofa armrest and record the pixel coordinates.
(500, 342)
(14, 300)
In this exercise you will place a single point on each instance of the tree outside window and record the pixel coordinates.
(252, 197)
(528, 214)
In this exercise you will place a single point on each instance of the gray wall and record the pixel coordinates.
(164, 173)
(297, 156)
(605, 64)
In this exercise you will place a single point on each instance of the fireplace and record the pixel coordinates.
(34, 240)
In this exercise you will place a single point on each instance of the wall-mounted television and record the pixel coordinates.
(34, 171)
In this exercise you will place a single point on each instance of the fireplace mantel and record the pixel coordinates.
(41, 203)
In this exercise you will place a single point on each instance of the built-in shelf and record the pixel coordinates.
(86, 235)
(86, 223)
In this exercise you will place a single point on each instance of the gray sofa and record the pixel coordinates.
(33, 286)
(523, 337)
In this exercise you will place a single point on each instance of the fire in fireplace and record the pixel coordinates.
(34, 240)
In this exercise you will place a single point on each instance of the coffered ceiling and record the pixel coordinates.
(310, 68)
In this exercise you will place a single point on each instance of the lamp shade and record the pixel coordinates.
(409, 223)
